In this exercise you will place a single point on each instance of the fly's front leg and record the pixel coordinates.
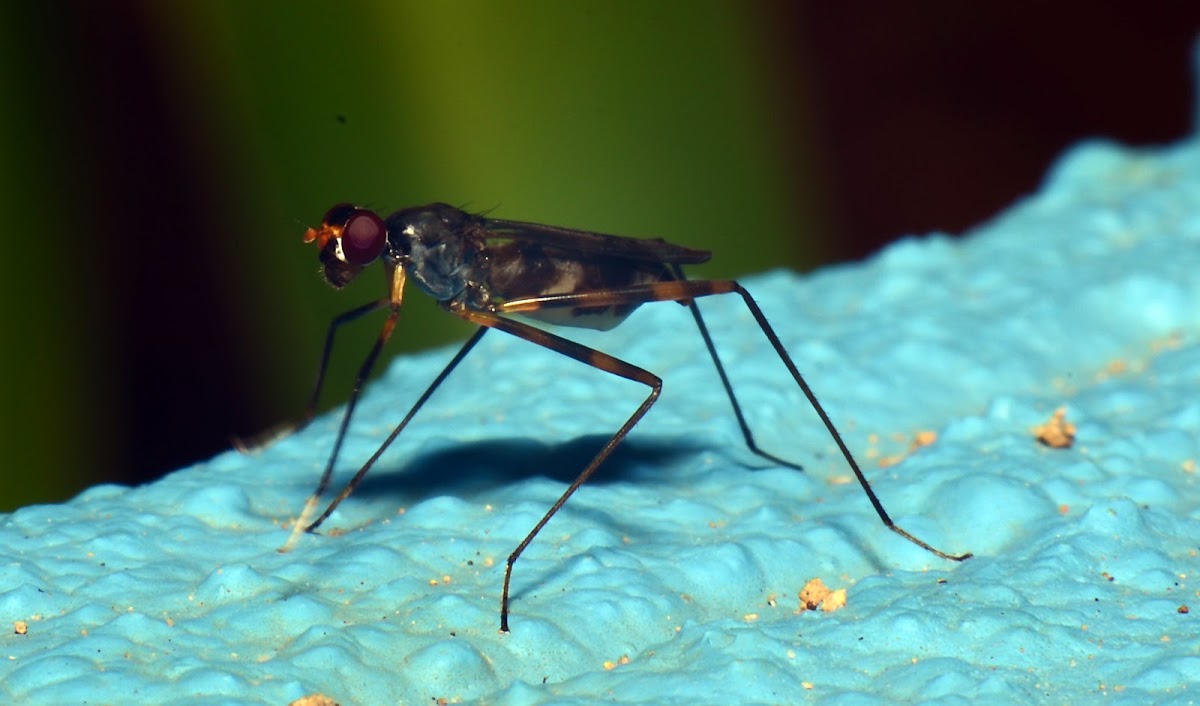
(395, 298)
(364, 372)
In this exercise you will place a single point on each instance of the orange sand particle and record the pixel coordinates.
(1057, 432)
(816, 594)
(314, 700)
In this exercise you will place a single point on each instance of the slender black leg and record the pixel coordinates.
(462, 353)
(837, 438)
(685, 291)
(364, 371)
(396, 277)
(583, 354)
(344, 318)
(737, 408)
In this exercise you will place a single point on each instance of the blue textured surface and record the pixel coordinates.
(1084, 296)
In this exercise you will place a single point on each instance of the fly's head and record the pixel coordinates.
(350, 238)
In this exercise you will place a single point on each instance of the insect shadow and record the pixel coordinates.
(474, 468)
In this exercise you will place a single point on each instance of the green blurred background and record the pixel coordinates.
(160, 160)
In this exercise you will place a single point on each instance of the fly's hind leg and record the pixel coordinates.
(682, 290)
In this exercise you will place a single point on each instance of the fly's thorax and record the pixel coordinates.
(439, 246)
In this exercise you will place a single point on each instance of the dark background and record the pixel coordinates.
(160, 161)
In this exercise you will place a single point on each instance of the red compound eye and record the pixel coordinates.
(363, 237)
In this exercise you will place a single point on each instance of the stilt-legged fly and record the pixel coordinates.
(486, 270)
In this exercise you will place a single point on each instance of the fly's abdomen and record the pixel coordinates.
(523, 271)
